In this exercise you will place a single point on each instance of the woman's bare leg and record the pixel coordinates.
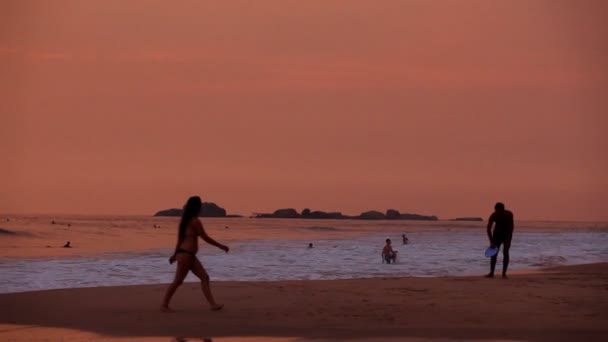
(201, 273)
(184, 263)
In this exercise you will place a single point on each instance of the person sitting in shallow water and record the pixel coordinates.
(67, 245)
(388, 254)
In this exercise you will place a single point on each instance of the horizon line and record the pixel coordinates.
(8, 215)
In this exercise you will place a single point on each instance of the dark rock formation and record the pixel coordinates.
(393, 214)
(286, 213)
(208, 209)
(7, 232)
(170, 212)
(306, 214)
(418, 217)
(478, 219)
(372, 215)
(280, 213)
(325, 215)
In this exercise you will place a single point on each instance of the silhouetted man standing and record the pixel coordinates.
(503, 232)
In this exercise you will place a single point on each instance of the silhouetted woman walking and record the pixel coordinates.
(190, 229)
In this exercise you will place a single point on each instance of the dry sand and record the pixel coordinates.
(561, 304)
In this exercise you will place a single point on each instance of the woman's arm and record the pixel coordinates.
(207, 238)
(172, 258)
(179, 242)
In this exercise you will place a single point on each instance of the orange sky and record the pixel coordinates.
(434, 107)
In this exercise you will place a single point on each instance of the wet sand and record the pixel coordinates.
(560, 304)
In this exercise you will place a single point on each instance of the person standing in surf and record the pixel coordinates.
(503, 233)
(388, 254)
(190, 229)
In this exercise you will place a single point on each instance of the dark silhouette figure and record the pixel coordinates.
(405, 239)
(503, 233)
(190, 229)
(67, 245)
(310, 245)
(388, 254)
(53, 222)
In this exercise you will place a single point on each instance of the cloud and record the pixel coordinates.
(6, 51)
(48, 56)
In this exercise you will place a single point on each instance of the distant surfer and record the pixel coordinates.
(388, 254)
(405, 239)
(503, 232)
(67, 245)
(310, 245)
(190, 229)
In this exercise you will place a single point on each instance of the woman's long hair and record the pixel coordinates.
(191, 210)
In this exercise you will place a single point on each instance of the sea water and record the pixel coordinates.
(431, 252)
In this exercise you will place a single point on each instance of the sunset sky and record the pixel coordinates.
(431, 107)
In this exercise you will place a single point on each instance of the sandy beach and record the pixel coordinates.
(560, 304)
(354, 165)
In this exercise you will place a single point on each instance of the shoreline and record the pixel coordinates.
(559, 304)
(519, 272)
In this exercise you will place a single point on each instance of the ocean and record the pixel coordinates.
(273, 249)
